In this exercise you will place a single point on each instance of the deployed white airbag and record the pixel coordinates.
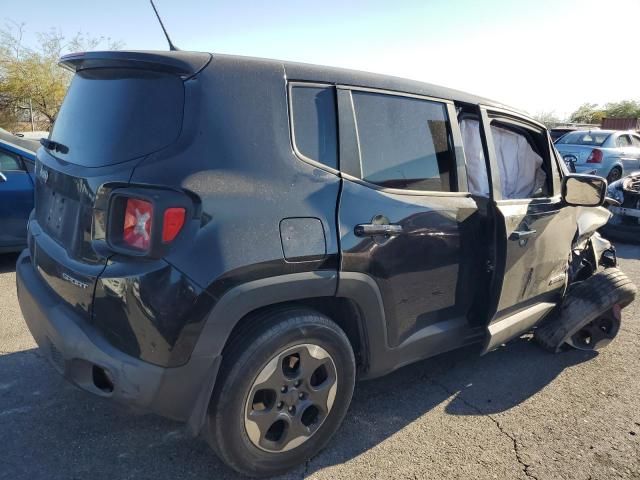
(520, 167)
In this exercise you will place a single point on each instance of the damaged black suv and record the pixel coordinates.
(231, 242)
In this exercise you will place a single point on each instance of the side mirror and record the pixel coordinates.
(584, 190)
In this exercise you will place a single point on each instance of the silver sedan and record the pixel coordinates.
(610, 154)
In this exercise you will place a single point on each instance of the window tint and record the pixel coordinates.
(404, 142)
(477, 178)
(9, 161)
(623, 141)
(113, 115)
(313, 112)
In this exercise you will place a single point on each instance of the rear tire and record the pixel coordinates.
(285, 386)
(614, 174)
(588, 306)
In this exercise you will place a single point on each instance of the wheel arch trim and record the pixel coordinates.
(247, 297)
(235, 305)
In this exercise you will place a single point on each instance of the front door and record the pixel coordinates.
(404, 216)
(534, 229)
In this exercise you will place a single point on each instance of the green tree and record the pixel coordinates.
(623, 109)
(30, 78)
(587, 113)
(549, 119)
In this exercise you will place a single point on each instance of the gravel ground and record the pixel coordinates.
(518, 412)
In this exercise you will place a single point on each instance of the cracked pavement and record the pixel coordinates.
(516, 413)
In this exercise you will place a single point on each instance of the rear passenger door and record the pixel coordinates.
(534, 229)
(405, 218)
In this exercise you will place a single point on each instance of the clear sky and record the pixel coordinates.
(537, 55)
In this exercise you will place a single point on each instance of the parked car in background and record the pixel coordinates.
(608, 153)
(559, 132)
(37, 135)
(624, 224)
(17, 158)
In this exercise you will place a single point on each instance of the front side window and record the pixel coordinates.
(521, 161)
(9, 161)
(315, 131)
(404, 142)
(635, 140)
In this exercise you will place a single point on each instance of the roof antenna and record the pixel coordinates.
(172, 47)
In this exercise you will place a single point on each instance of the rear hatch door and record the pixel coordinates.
(120, 107)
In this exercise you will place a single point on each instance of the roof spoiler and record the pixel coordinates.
(184, 64)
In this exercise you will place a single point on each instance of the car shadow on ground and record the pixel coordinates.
(8, 262)
(51, 429)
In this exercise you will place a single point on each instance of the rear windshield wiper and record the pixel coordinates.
(55, 146)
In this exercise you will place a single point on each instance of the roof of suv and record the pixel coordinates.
(386, 82)
(189, 63)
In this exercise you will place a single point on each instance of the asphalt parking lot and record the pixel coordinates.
(518, 412)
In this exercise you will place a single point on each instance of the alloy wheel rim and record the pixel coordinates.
(290, 398)
(614, 175)
(596, 334)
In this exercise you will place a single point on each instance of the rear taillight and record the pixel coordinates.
(595, 156)
(138, 219)
(145, 221)
(172, 224)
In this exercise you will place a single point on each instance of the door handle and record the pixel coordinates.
(372, 230)
(2, 177)
(522, 234)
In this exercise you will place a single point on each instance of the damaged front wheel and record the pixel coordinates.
(598, 333)
(589, 317)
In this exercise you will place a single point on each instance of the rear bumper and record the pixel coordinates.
(590, 170)
(82, 355)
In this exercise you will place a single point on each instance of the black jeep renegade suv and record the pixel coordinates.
(231, 241)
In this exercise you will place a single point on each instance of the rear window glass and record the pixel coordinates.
(113, 115)
(584, 138)
(313, 111)
(404, 142)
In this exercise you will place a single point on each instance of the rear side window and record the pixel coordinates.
(9, 161)
(113, 115)
(623, 141)
(404, 142)
(313, 111)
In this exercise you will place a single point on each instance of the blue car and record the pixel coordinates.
(611, 154)
(17, 160)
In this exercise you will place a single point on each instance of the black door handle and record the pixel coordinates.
(372, 230)
(522, 234)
